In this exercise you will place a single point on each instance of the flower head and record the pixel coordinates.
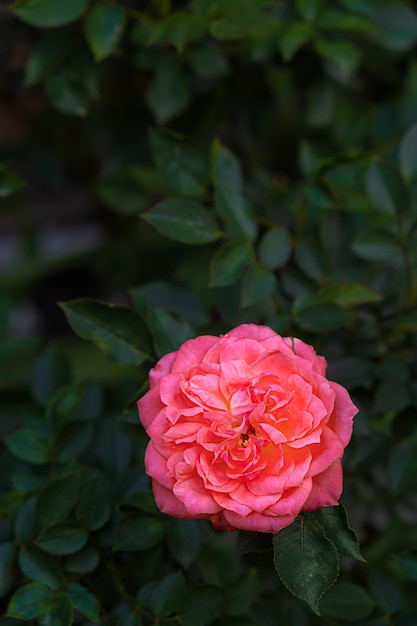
(245, 430)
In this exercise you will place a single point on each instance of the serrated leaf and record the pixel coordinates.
(40, 567)
(104, 26)
(229, 262)
(230, 202)
(30, 601)
(183, 220)
(49, 13)
(116, 330)
(137, 532)
(181, 165)
(84, 602)
(62, 539)
(305, 560)
(335, 524)
(386, 189)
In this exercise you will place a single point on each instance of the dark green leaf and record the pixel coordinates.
(184, 540)
(104, 26)
(127, 191)
(137, 532)
(117, 330)
(25, 526)
(7, 557)
(396, 26)
(84, 602)
(275, 247)
(352, 294)
(208, 59)
(201, 605)
(46, 57)
(130, 618)
(167, 594)
(62, 539)
(305, 560)
(320, 318)
(40, 567)
(94, 502)
(68, 94)
(183, 220)
(49, 372)
(56, 500)
(243, 593)
(377, 246)
(59, 614)
(30, 601)
(309, 9)
(386, 189)
(293, 37)
(348, 602)
(72, 441)
(49, 13)
(402, 464)
(29, 445)
(230, 202)
(169, 93)
(408, 153)
(228, 263)
(343, 54)
(179, 163)
(83, 562)
(310, 259)
(335, 524)
(258, 283)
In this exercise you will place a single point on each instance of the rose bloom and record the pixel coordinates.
(245, 430)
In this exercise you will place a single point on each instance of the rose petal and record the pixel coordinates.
(327, 488)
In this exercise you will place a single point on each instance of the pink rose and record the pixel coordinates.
(245, 430)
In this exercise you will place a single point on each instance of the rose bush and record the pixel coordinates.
(245, 430)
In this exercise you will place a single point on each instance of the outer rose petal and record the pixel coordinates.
(245, 430)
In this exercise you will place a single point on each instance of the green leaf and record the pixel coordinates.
(207, 59)
(334, 522)
(9, 182)
(40, 567)
(50, 371)
(230, 202)
(201, 605)
(167, 594)
(30, 601)
(169, 93)
(7, 557)
(294, 36)
(130, 618)
(29, 445)
(116, 330)
(83, 562)
(320, 318)
(128, 190)
(25, 527)
(184, 540)
(386, 189)
(243, 593)
(310, 259)
(343, 54)
(68, 94)
(47, 56)
(94, 503)
(62, 539)
(137, 532)
(59, 614)
(104, 26)
(49, 13)
(228, 263)
(84, 602)
(275, 247)
(402, 464)
(56, 500)
(408, 153)
(348, 602)
(258, 283)
(72, 440)
(181, 165)
(377, 245)
(183, 220)
(353, 294)
(305, 560)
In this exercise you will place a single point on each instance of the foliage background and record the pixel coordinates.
(199, 164)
